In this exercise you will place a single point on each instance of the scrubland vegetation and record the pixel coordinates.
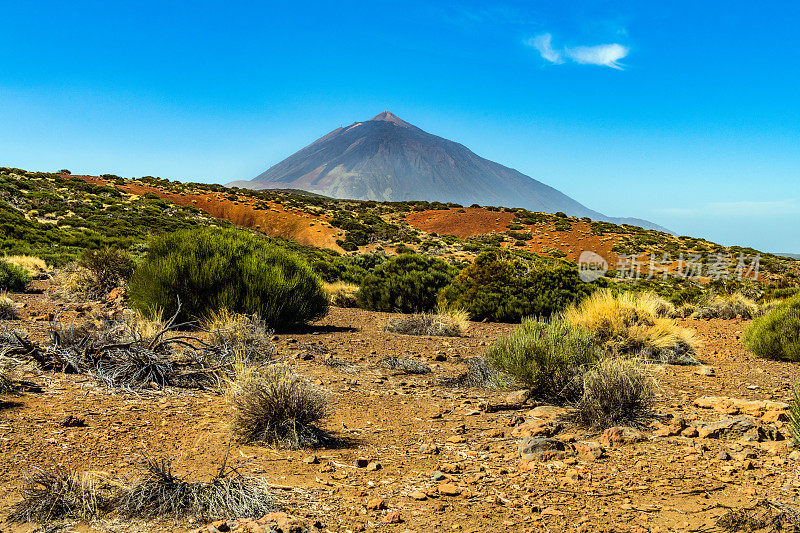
(207, 300)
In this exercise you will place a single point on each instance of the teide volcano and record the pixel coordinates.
(388, 159)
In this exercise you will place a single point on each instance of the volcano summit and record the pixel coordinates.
(388, 159)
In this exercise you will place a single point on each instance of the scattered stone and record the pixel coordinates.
(417, 495)
(438, 476)
(518, 397)
(361, 462)
(548, 412)
(496, 432)
(448, 489)
(541, 449)
(373, 466)
(456, 439)
(705, 371)
(430, 449)
(310, 460)
(620, 436)
(376, 504)
(723, 456)
(537, 428)
(726, 428)
(392, 517)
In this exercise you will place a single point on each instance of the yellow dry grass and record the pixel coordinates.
(341, 294)
(631, 323)
(32, 265)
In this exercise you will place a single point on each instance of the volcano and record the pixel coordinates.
(388, 159)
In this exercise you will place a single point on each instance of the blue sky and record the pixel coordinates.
(685, 113)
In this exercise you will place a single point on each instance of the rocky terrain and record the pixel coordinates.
(419, 454)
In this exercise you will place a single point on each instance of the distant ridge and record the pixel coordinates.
(388, 159)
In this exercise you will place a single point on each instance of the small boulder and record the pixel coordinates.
(620, 436)
(541, 449)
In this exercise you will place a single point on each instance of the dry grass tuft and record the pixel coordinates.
(34, 266)
(631, 324)
(246, 336)
(8, 309)
(341, 294)
(616, 392)
(59, 493)
(729, 306)
(478, 375)
(161, 494)
(406, 365)
(278, 407)
(444, 323)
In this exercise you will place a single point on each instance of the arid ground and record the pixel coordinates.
(435, 456)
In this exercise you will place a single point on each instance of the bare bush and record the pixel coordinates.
(161, 494)
(280, 408)
(120, 354)
(616, 392)
(406, 365)
(59, 493)
(342, 365)
(478, 374)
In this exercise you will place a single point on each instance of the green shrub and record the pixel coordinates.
(211, 269)
(12, 277)
(503, 288)
(549, 357)
(776, 335)
(108, 268)
(794, 413)
(407, 283)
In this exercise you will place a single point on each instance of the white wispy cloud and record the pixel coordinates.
(607, 55)
(544, 43)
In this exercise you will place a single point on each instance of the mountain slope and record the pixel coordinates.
(388, 159)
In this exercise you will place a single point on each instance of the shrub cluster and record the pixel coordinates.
(562, 363)
(407, 283)
(208, 269)
(503, 288)
(12, 277)
(776, 335)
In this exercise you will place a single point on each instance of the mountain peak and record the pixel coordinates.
(387, 116)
